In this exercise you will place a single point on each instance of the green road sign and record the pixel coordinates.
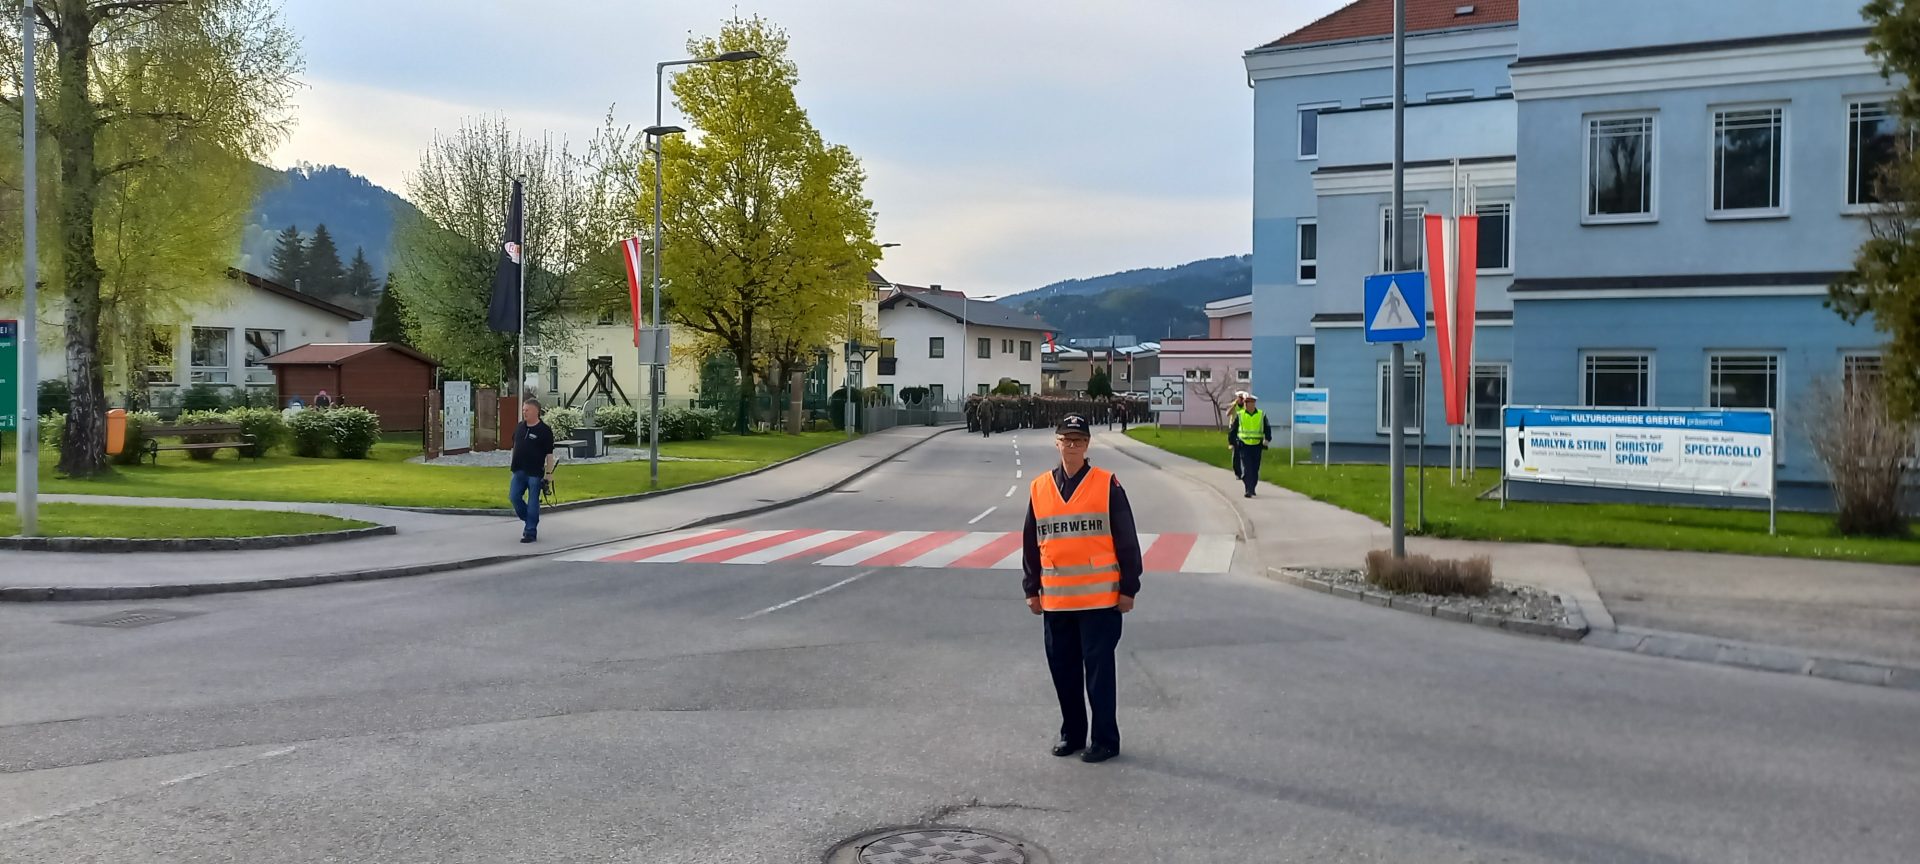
(9, 376)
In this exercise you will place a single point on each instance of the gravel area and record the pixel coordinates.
(503, 458)
(1512, 601)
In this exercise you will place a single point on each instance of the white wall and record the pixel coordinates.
(911, 328)
(238, 309)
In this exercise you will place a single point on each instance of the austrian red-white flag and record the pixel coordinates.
(630, 249)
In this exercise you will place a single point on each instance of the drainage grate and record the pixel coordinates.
(935, 846)
(132, 618)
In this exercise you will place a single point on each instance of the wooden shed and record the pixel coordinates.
(387, 378)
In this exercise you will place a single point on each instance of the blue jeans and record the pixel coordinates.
(526, 486)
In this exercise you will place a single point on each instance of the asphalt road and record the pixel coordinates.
(694, 712)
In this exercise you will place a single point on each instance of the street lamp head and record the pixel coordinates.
(662, 131)
(888, 245)
(736, 56)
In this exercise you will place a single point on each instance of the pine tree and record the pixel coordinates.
(289, 257)
(388, 323)
(358, 286)
(1099, 386)
(322, 275)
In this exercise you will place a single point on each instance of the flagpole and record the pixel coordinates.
(520, 359)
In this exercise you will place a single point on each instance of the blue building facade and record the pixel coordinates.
(1666, 190)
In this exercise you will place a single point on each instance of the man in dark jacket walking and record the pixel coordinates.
(532, 468)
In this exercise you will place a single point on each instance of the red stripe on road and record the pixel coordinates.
(1169, 553)
(901, 555)
(990, 554)
(731, 552)
(837, 546)
(675, 545)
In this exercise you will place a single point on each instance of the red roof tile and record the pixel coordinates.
(1367, 19)
(334, 353)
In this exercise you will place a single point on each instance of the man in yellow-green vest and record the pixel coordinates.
(1248, 435)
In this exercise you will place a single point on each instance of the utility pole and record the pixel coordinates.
(1396, 384)
(26, 502)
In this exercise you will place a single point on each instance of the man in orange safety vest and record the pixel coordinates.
(1082, 565)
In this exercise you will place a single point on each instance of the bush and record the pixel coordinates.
(914, 395)
(563, 421)
(689, 424)
(255, 397)
(619, 420)
(134, 447)
(202, 398)
(354, 431)
(311, 433)
(268, 429)
(1865, 449)
(197, 418)
(1420, 574)
(1007, 387)
(53, 430)
(55, 396)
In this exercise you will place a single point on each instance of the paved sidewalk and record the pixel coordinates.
(435, 543)
(405, 520)
(1818, 608)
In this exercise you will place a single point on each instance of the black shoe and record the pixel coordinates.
(1098, 753)
(526, 538)
(1248, 495)
(1062, 748)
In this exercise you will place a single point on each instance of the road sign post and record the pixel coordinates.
(9, 376)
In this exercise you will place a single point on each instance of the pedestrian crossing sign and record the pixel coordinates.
(1396, 307)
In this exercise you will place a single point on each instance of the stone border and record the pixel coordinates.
(191, 544)
(1573, 631)
(150, 592)
(1745, 655)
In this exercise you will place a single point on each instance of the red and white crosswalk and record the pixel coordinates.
(983, 550)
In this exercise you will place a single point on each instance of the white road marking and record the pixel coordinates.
(1213, 553)
(184, 778)
(791, 547)
(1016, 460)
(956, 550)
(809, 596)
(1017, 473)
(983, 514)
(1010, 491)
(679, 555)
(871, 548)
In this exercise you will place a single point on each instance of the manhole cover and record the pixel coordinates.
(936, 846)
(132, 618)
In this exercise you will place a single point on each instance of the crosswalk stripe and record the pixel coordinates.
(791, 548)
(954, 551)
(859, 554)
(736, 550)
(960, 550)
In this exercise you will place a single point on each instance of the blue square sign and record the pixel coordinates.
(1396, 307)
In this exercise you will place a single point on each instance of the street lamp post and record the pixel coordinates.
(27, 338)
(657, 378)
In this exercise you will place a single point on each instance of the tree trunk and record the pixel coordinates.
(743, 350)
(83, 453)
(795, 399)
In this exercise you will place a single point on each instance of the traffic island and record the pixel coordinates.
(1513, 608)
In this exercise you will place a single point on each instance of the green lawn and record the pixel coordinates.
(97, 520)
(1457, 512)
(388, 479)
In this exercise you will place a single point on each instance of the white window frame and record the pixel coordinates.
(1376, 101)
(246, 346)
(1420, 247)
(1243, 376)
(1202, 374)
(1506, 375)
(1415, 378)
(1299, 342)
(1300, 263)
(553, 375)
(1851, 356)
(197, 374)
(1449, 95)
(1509, 205)
(1587, 217)
(1850, 105)
(1714, 213)
(171, 370)
(1653, 379)
(1779, 389)
(1503, 90)
(1299, 130)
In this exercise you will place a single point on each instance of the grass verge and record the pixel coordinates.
(1458, 512)
(147, 523)
(387, 478)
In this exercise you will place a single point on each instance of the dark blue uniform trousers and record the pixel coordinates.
(1247, 457)
(1080, 656)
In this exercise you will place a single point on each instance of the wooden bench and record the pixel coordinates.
(232, 436)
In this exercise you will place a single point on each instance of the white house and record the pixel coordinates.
(955, 346)
(218, 342)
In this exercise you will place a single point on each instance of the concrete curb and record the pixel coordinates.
(1748, 655)
(625, 499)
(151, 592)
(1573, 631)
(190, 544)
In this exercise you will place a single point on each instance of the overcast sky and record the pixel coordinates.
(1008, 143)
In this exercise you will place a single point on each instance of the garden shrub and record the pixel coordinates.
(353, 431)
(311, 433)
(1421, 574)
